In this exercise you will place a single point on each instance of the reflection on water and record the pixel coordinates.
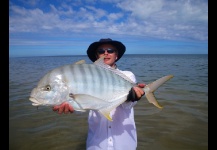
(181, 124)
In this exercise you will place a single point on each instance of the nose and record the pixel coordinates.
(106, 52)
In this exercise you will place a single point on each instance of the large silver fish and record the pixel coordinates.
(94, 86)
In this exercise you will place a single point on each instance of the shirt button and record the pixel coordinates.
(109, 126)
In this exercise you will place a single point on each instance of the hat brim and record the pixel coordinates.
(91, 51)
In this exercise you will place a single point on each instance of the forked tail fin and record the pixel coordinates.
(150, 88)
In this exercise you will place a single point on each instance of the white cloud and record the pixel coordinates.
(181, 19)
(141, 9)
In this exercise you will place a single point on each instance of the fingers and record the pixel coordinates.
(139, 92)
(60, 111)
(71, 109)
(66, 110)
(141, 85)
(63, 108)
(55, 108)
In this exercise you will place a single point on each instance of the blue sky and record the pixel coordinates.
(68, 27)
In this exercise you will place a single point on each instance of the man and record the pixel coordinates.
(119, 134)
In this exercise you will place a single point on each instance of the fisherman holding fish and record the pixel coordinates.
(120, 133)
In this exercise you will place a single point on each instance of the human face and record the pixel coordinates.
(110, 58)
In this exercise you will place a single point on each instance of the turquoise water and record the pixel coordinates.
(182, 124)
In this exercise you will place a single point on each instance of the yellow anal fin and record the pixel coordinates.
(106, 114)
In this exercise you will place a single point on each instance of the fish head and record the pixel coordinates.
(51, 90)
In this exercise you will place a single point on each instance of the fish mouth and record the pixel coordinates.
(34, 100)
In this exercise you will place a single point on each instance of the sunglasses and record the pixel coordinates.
(102, 51)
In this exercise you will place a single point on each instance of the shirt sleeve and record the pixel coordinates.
(129, 105)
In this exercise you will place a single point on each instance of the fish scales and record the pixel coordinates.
(92, 78)
(99, 84)
(89, 87)
(102, 82)
(82, 80)
(99, 81)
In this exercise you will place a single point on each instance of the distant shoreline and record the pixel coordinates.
(86, 55)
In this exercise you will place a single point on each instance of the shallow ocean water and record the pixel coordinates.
(181, 124)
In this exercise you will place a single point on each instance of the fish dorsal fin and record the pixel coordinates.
(80, 62)
(100, 62)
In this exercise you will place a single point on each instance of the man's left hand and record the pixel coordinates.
(136, 92)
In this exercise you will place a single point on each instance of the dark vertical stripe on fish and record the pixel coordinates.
(80, 77)
(109, 80)
(102, 80)
(74, 78)
(94, 81)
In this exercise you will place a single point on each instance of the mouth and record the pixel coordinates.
(106, 59)
(35, 102)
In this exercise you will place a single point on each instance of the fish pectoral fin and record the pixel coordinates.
(89, 102)
(151, 98)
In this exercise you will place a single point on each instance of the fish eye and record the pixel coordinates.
(47, 88)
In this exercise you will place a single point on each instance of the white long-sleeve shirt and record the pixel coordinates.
(119, 134)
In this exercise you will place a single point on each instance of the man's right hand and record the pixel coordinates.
(63, 108)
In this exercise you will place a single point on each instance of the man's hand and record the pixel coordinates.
(63, 108)
(136, 92)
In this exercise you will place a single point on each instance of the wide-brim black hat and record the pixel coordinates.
(91, 51)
